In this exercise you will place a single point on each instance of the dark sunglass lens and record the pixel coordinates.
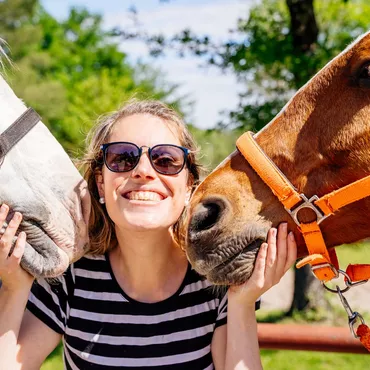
(121, 157)
(167, 159)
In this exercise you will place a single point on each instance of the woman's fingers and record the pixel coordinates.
(8, 230)
(4, 248)
(18, 251)
(260, 265)
(291, 252)
(11, 229)
(281, 249)
(271, 256)
(4, 209)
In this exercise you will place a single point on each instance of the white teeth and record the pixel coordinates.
(144, 195)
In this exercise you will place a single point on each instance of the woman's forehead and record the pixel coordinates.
(145, 129)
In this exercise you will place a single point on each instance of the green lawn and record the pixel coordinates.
(55, 360)
(302, 360)
(292, 360)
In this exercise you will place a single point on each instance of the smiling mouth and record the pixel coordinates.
(146, 196)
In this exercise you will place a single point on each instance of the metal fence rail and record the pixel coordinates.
(308, 338)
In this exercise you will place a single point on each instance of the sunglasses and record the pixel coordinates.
(166, 159)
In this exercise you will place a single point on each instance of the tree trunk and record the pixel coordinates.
(303, 26)
(308, 292)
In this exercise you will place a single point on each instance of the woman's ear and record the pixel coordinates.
(99, 181)
(188, 195)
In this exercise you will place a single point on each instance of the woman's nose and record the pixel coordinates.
(144, 168)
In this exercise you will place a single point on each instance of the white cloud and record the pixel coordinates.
(211, 90)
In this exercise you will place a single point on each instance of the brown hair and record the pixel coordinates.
(101, 227)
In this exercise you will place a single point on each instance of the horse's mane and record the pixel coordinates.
(3, 56)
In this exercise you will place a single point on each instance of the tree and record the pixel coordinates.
(274, 50)
(72, 71)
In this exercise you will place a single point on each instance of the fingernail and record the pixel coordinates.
(284, 226)
(3, 208)
(17, 216)
(291, 235)
(273, 231)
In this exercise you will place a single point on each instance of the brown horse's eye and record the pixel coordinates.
(364, 76)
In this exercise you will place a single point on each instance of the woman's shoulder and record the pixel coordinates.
(198, 284)
(90, 260)
(91, 266)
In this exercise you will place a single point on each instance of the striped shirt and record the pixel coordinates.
(103, 328)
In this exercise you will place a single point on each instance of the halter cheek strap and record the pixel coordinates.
(17, 130)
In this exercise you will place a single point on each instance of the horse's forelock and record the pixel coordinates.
(3, 56)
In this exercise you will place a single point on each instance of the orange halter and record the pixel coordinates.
(324, 262)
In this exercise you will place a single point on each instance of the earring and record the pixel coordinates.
(101, 200)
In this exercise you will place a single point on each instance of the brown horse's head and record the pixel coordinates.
(320, 141)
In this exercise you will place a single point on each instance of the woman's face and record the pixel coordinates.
(143, 199)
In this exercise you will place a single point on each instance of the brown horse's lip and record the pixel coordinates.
(250, 246)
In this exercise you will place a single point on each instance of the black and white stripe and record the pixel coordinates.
(103, 328)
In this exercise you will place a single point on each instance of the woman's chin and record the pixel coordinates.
(141, 221)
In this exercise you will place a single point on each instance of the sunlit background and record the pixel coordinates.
(211, 90)
(227, 65)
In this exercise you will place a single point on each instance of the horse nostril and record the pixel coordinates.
(206, 215)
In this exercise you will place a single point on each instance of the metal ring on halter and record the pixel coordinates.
(348, 283)
(3, 228)
(307, 203)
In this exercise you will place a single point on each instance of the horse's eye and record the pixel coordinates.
(364, 76)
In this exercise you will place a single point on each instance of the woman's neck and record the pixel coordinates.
(148, 266)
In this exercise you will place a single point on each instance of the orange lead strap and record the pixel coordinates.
(363, 332)
(358, 272)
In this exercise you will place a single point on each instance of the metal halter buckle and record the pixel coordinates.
(307, 203)
(332, 268)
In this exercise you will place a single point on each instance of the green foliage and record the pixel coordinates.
(17, 28)
(214, 145)
(262, 54)
(269, 65)
(72, 71)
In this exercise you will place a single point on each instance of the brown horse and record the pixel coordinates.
(320, 141)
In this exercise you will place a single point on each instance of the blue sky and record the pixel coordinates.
(211, 90)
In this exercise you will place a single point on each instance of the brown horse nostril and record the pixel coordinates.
(206, 215)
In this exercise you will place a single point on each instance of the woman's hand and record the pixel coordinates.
(273, 260)
(12, 275)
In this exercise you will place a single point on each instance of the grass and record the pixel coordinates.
(304, 360)
(293, 360)
(54, 360)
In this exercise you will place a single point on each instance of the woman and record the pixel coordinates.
(134, 301)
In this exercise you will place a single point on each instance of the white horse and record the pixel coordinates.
(38, 179)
